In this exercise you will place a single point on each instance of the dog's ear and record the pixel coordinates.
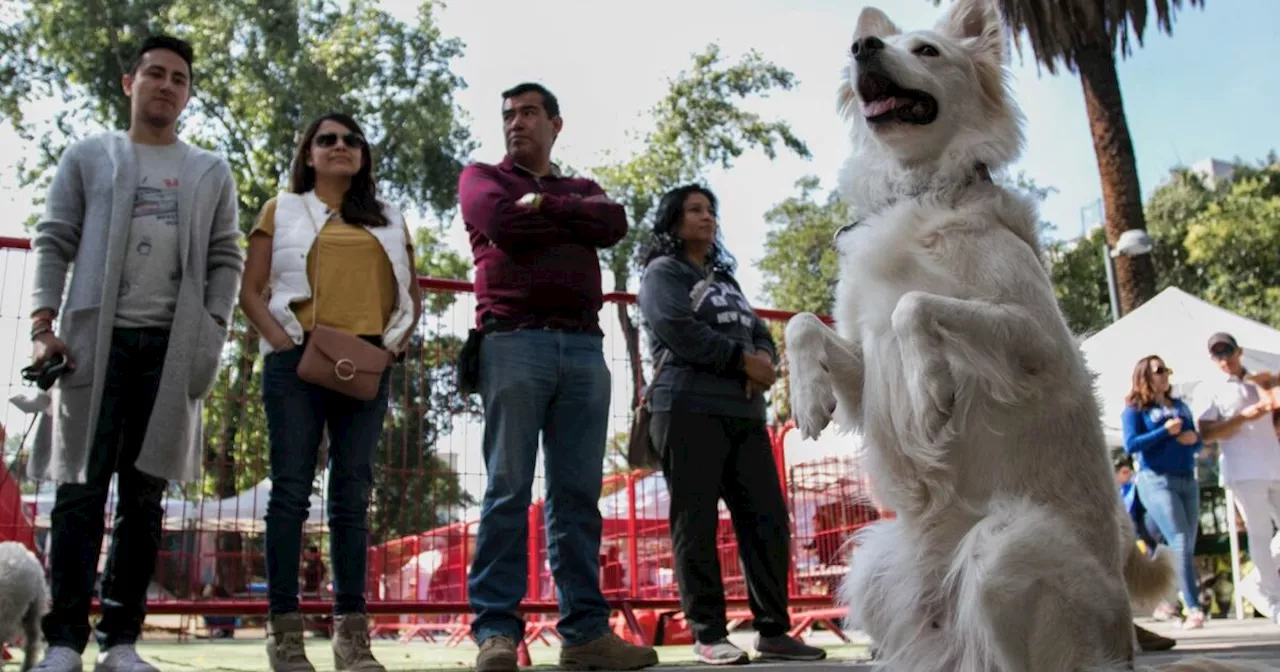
(875, 22)
(845, 96)
(976, 21)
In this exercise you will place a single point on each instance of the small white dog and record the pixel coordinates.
(23, 599)
(1010, 551)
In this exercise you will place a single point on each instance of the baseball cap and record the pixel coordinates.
(1223, 338)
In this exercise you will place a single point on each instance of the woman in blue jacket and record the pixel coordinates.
(1160, 430)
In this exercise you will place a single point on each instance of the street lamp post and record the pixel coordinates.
(1131, 243)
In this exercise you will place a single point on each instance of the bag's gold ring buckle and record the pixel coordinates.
(340, 372)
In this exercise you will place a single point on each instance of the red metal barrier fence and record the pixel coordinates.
(429, 477)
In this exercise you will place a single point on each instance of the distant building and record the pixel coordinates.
(1212, 171)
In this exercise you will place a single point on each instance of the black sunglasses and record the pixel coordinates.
(1163, 371)
(1223, 352)
(352, 140)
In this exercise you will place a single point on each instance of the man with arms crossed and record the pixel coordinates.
(148, 223)
(1237, 414)
(534, 234)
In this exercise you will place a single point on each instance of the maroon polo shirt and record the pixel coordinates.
(537, 268)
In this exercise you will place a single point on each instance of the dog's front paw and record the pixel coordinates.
(813, 399)
(930, 382)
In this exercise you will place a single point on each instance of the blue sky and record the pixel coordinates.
(1210, 90)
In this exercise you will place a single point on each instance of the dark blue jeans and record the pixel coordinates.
(297, 415)
(554, 384)
(1173, 502)
(133, 379)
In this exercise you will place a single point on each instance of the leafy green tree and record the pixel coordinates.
(1215, 241)
(1080, 282)
(263, 69)
(800, 264)
(1232, 245)
(697, 125)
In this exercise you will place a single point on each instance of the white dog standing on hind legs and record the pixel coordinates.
(1010, 551)
(23, 599)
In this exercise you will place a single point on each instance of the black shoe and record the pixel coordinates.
(786, 647)
(1150, 641)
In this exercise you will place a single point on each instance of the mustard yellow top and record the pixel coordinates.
(355, 290)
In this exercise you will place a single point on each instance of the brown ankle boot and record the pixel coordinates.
(351, 644)
(285, 651)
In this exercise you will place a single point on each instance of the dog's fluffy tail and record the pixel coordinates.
(1150, 578)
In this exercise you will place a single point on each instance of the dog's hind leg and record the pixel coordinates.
(893, 597)
(1001, 347)
(825, 369)
(1030, 599)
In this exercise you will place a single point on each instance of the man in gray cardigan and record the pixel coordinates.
(149, 226)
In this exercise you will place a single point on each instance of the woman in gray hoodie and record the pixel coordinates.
(708, 426)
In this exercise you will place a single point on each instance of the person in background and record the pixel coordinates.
(146, 226)
(312, 572)
(1160, 430)
(328, 253)
(535, 234)
(1147, 640)
(1237, 414)
(1144, 527)
(708, 426)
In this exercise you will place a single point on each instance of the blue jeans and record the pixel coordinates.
(1173, 502)
(555, 384)
(297, 414)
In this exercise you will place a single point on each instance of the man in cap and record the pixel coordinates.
(1237, 414)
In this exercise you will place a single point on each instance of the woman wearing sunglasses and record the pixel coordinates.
(1160, 430)
(327, 253)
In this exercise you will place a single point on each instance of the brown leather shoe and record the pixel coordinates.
(1150, 641)
(607, 652)
(351, 649)
(497, 654)
(285, 652)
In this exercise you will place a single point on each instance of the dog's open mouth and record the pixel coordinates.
(883, 101)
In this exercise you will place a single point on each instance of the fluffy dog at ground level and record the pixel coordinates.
(23, 599)
(1010, 551)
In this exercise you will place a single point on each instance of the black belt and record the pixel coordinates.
(489, 324)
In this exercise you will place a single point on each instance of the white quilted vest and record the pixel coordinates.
(299, 218)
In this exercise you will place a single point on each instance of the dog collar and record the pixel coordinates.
(980, 174)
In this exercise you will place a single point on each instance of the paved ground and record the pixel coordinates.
(1248, 640)
(1252, 640)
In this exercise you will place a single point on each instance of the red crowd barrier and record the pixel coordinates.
(429, 478)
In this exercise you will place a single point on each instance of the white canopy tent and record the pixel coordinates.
(1176, 326)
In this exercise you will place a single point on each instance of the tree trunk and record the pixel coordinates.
(631, 333)
(224, 467)
(1121, 193)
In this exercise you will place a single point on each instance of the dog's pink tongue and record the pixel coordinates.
(876, 108)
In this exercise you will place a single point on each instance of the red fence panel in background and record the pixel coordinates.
(429, 478)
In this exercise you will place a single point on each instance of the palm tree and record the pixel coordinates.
(1085, 36)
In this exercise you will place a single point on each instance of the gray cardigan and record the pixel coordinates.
(85, 227)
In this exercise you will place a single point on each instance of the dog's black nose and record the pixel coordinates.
(865, 48)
